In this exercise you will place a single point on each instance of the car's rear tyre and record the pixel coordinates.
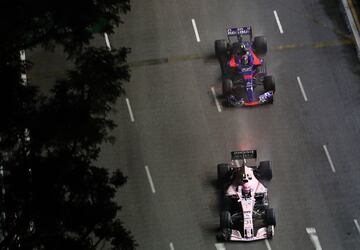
(227, 86)
(260, 45)
(229, 203)
(220, 49)
(269, 83)
(264, 171)
(223, 172)
(270, 218)
(225, 220)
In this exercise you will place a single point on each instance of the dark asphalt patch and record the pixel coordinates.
(317, 45)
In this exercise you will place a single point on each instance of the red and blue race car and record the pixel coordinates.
(243, 68)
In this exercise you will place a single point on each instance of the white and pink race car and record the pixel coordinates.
(246, 215)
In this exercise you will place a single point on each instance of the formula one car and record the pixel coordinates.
(247, 215)
(243, 69)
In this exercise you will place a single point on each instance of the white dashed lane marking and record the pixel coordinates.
(267, 244)
(150, 179)
(329, 158)
(220, 246)
(195, 30)
(302, 88)
(24, 78)
(278, 22)
(107, 41)
(22, 55)
(357, 225)
(216, 100)
(172, 246)
(130, 110)
(314, 238)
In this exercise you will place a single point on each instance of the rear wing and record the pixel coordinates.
(239, 31)
(241, 155)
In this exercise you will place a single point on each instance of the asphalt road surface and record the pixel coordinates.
(173, 130)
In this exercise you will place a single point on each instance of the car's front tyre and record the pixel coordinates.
(270, 218)
(227, 86)
(269, 83)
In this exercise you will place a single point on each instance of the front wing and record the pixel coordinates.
(262, 233)
(264, 98)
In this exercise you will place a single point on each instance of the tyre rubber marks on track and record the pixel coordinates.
(302, 88)
(278, 22)
(195, 30)
(329, 158)
(314, 238)
(151, 183)
(216, 100)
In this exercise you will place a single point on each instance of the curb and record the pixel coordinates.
(352, 22)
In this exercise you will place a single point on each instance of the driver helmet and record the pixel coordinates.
(240, 51)
(246, 189)
(245, 59)
(243, 47)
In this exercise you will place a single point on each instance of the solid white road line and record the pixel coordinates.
(313, 237)
(216, 100)
(107, 41)
(302, 88)
(278, 22)
(267, 244)
(357, 225)
(329, 158)
(171, 246)
(196, 30)
(22, 55)
(150, 179)
(220, 246)
(130, 110)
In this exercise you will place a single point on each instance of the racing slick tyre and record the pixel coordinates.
(225, 220)
(223, 173)
(269, 83)
(227, 86)
(270, 218)
(264, 171)
(260, 45)
(220, 49)
(224, 235)
(229, 203)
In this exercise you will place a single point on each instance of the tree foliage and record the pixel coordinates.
(56, 197)
(25, 24)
